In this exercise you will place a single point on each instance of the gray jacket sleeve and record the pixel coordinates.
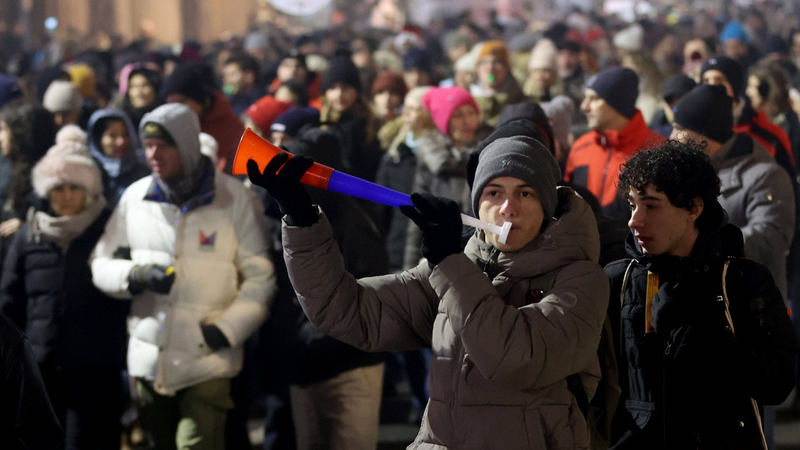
(770, 216)
(529, 347)
(384, 313)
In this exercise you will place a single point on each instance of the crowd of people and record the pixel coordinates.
(151, 299)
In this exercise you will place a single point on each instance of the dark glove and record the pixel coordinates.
(151, 277)
(285, 188)
(440, 221)
(214, 337)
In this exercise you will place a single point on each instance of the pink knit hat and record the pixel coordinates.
(68, 162)
(442, 102)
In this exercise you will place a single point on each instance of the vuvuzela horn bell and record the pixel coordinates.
(253, 146)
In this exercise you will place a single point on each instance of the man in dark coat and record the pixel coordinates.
(703, 335)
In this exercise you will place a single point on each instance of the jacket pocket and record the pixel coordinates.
(641, 412)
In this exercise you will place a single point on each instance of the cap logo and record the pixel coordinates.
(712, 61)
(151, 128)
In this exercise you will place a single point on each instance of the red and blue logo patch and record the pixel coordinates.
(207, 242)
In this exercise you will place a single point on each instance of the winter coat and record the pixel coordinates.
(689, 385)
(223, 125)
(441, 171)
(396, 171)
(316, 356)
(132, 166)
(49, 294)
(595, 158)
(27, 419)
(506, 329)
(218, 246)
(758, 196)
(356, 130)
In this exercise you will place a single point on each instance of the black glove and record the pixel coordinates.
(214, 337)
(440, 221)
(151, 277)
(285, 188)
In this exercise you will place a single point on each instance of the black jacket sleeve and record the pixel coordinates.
(27, 419)
(12, 281)
(765, 332)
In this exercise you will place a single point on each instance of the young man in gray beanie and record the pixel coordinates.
(507, 322)
(617, 130)
(199, 276)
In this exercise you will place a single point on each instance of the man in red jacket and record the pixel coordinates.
(617, 131)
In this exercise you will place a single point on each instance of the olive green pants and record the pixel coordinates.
(192, 419)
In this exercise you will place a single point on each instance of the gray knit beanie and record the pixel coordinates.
(525, 159)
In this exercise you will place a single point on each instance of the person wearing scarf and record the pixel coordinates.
(77, 333)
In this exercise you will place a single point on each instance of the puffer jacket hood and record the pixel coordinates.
(184, 127)
(572, 237)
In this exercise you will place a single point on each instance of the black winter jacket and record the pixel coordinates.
(27, 420)
(689, 385)
(318, 357)
(49, 294)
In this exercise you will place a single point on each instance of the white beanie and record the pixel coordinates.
(62, 96)
(631, 38)
(560, 110)
(544, 56)
(68, 162)
(469, 61)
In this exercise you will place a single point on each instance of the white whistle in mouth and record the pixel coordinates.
(500, 231)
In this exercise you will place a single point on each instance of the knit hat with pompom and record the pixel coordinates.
(68, 162)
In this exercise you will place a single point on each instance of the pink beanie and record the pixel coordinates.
(442, 102)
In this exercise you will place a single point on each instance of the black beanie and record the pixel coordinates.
(706, 110)
(190, 80)
(730, 68)
(619, 87)
(341, 70)
(677, 86)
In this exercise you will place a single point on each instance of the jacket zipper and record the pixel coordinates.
(604, 141)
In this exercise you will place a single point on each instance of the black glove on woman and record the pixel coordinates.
(285, 188)
(440, 221)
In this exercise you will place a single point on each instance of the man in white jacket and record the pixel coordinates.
(188, 245)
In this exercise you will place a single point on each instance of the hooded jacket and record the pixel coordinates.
(216, 242)
(117, 174)
(506, 329)
(690, 385)
(595, 158)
